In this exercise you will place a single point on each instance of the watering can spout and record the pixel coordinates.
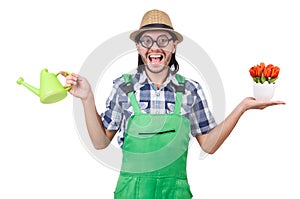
(36, 91)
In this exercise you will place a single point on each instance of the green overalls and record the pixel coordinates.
(154, 153)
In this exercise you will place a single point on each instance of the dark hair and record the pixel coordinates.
(173, 62)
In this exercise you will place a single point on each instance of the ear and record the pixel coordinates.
(175, 45)
(137, 45)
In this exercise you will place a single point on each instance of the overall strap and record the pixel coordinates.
(128, 89)
(179, 92)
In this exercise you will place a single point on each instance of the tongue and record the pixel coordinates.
(155, 61)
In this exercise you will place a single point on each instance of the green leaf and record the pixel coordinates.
(262, 79)
(255, 79)
(272, 80)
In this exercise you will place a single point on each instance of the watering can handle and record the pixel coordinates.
(69, 87)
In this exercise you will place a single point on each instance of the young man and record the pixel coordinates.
(155, 111)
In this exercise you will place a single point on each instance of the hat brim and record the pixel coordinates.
(134, 34)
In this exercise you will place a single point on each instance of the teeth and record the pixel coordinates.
(155, 56)
(160, 57)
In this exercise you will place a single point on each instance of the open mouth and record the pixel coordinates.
(155, 59)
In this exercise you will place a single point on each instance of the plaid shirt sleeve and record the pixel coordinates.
(112, 117)
(199, 114)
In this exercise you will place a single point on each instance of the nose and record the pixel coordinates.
(155, 46)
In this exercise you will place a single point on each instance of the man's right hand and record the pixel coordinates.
(80, 85)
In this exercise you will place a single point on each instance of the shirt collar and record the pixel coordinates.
(143, 79)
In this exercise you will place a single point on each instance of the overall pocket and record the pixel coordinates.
(158, 132)
(126, 188)
(183, 190)
(179, 190)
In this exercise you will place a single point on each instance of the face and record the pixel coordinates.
(156, 49)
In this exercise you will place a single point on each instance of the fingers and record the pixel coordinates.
(63, 73)
(271, 103)
(71, 79)
(265, 104)
(278, 102)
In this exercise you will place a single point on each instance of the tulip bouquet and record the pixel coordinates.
(264, 78)
(261, 73)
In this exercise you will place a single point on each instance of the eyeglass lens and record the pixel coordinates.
(162, 41)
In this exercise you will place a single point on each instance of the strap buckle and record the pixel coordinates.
(127, 88)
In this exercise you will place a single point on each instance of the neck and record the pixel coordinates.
(157, 78)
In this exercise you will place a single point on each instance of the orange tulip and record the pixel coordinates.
(252, 71)
(275, 72)
(260, 69)
(268, 70)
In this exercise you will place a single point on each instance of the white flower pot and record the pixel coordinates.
(263, 91)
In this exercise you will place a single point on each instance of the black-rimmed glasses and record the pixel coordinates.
(161, 41)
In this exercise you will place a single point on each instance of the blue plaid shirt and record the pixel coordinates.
(153, 101)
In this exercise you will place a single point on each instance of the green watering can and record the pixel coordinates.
(51, 90)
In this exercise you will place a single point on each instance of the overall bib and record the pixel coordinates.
(154, 152)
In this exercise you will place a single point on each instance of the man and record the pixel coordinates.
(154, 112)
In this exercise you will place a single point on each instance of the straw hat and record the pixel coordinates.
(156, 20)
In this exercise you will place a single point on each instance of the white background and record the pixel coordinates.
(40, 150)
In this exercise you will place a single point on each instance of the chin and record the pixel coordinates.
(156, 68)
